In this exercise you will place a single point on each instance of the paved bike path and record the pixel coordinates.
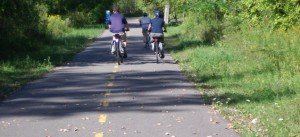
(94, 97)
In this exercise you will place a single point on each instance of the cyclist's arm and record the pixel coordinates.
(140, 22)
(149, 27)
(125, 23)
(109, 24)
(126, 27)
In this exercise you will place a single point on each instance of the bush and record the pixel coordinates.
(208, 31)
(80, 19)
(56, 26)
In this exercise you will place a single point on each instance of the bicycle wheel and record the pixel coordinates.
(118, 55)
(156, 51)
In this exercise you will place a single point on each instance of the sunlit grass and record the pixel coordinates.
(25, 67)
(254, 85)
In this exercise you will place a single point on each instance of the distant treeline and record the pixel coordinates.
(26, 23)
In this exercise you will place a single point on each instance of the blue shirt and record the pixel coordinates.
(117, 22)
(144, 22)
(157, 25)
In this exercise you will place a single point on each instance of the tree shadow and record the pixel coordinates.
(80, 85)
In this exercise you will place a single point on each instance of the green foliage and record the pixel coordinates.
(208, 31)
(277, 14)
(280, 47)
(22, 24)
(56, 26)
(25, 67)
(128, 7)
(240, 76)
(80, 19)
(93, 10)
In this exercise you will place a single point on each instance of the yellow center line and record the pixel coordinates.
(110, 84)
(107, 93)
(99, 135)
(102, 118)
(105, 103)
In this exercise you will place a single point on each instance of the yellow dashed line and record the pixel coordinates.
(99, 135)
(102, 118)
(107, 93)
(110, 84)
(105, 103)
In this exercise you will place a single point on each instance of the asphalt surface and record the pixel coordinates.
(94, 97)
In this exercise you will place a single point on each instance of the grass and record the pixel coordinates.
(25, 67)
(254, 85)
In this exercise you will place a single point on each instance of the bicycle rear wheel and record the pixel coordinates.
(118, 54)
(156, 51)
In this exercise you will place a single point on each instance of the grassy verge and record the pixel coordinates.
(25, 67)
(251, 77)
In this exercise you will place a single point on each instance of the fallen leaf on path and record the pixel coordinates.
(213, 121)
(86, 118)
(137, 131)
(64, 130)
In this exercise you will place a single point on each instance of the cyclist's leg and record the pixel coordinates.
(124, 44)
(144, 31)
(162, 53)
(151, 35)
(124, 39)
(112, 45)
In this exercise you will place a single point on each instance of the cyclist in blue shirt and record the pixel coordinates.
(157, 27)
(107, 17)
(144, 23)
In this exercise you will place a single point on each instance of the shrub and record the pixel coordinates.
(80, 19)
(56, 26)
(208, 31)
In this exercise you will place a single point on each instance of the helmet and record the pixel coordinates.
(157, 13)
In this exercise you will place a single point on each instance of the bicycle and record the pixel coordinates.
(117, 43)
(158, 48)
